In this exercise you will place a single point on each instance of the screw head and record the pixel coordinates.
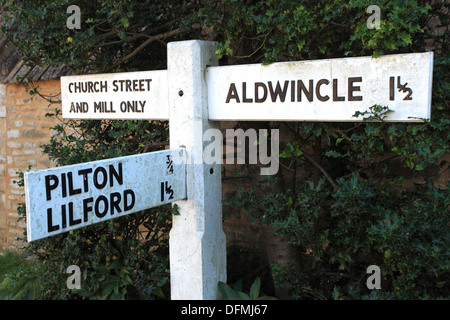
(180, 93)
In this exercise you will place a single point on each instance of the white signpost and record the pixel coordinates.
(322, 90)
(134, 95)
(194, 93)
(65, 198)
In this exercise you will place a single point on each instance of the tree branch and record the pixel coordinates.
(150, 40)
(327, 176)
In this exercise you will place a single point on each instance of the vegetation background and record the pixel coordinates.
(350, 195)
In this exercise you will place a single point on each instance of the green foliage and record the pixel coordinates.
(113, 33)
(8, 262)
(236, 293)
(376, 112)
(339, 234)
(20, 279)
(279, 30)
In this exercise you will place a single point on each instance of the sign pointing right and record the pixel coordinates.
(322, 90)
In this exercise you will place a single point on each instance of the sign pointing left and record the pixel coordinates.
(127, 95)
(70, 197)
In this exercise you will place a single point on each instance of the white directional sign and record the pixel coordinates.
(70, 197)
(315, 90)
(322, 90)
(131, 95)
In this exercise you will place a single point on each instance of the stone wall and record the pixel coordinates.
(23, 129)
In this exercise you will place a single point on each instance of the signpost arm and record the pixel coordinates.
(197, 241)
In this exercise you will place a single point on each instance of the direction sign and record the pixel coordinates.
(312, 90)
(193, 92)
(322, 90)
(128, 95)
(70, 197)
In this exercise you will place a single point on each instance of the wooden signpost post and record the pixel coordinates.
(194, 94)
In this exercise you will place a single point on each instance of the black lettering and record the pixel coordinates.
(63, 185)
(309, 94)
(130, 106)
(244, 93)
(142, 103)
(352, 88)
(264, 97)
(97, 211)
(319, 83)
(103, 86)
(335, 91)
(50, 186)
(128, 206)
(121, 84)
(292, 90)
(72, 191)
(97, 106)
(148, 83)
(85, 173)
(72, 222)
(115, 201)
(123, 106)
(232, 94)
(128, 85)
(115, 174)
(86, 208)
(116, 87)
(105, 178)
(278, 92)
(64, 216)
(50, 226)
(391, 88)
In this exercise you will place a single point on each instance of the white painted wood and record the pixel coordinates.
(414, 69)
(127, 95)
(79, 195)
(197, 241)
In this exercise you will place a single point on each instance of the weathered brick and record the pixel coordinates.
(29, 145)
(34, 133)
(21, 102)
(25, 161)
(15, 133)
(31, 124)
(29, 152)
(14, 144)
